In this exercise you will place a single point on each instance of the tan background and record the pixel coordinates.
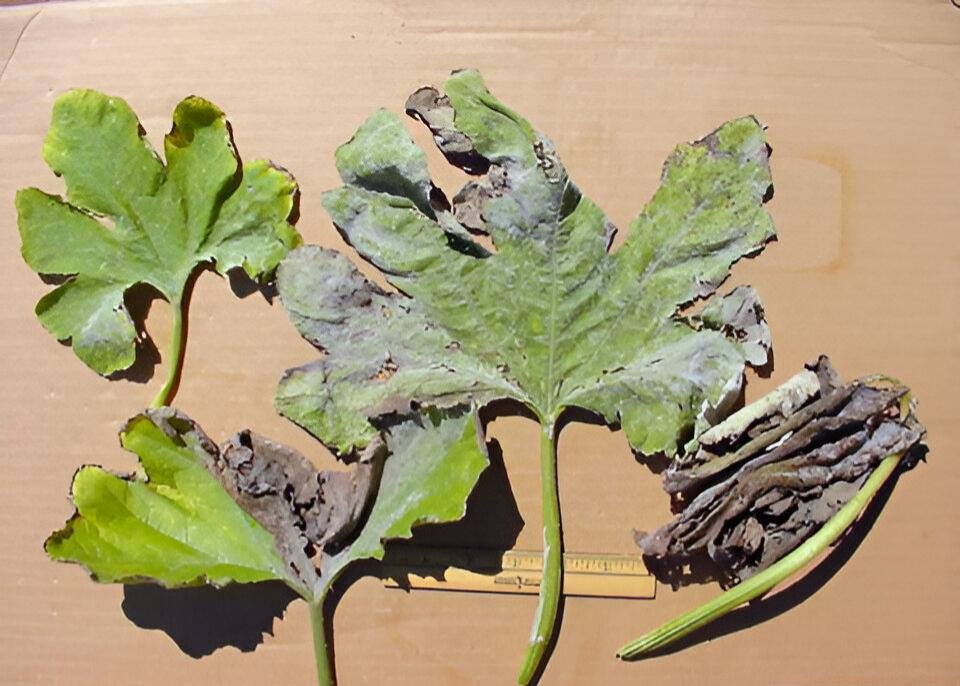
(862, 101)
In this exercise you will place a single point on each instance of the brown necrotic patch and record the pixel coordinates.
(765, 479)
(386, 370)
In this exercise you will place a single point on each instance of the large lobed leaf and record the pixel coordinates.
(253, 510)
(159, 221)
(552, 318)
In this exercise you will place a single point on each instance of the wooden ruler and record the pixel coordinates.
(516, 571)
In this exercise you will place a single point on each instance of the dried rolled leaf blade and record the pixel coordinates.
(764, 492)
(757, 485)
(767, 579)
(549, 317)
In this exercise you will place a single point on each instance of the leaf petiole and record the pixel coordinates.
(175, 362)
(326, 676)
(551, 585)
(764, 581)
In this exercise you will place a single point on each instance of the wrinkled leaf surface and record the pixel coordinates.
(550, 317)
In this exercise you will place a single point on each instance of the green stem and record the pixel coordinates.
(767, 579)
(551, 584)
(321, 651)
(175, 361)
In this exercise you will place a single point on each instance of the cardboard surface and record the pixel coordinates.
(861, 100)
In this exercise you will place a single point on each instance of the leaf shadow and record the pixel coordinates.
(492, 523)
(765, 371)
(243, 286)
(138, 300)
(203, 619)
(769, 607)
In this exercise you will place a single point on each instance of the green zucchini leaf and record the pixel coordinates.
(129, 219)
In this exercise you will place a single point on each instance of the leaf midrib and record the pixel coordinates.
(551, 410)
(206, 556)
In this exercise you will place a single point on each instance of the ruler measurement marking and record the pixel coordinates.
(518, 571)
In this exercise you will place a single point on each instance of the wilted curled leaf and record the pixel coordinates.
(286, 493)
(130, 219)
(766, 478)
(254, 510)
(173, 523)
